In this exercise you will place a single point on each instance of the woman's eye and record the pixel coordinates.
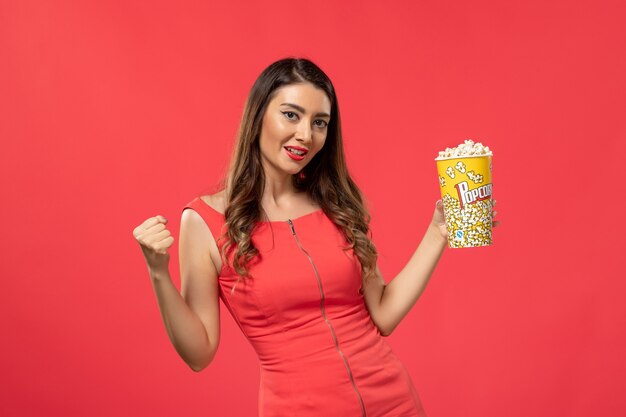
(293, 116)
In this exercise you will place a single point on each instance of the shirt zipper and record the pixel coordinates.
(332, 331)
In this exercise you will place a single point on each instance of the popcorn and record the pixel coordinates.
(477, 216)
(468, 148)
(466, 192)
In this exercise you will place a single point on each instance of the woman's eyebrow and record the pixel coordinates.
(295, 106)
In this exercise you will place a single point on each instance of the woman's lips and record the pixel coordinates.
(294, 156)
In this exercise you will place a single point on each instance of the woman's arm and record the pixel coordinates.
(388, 304)
(192, 318)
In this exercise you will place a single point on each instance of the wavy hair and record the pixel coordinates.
(325, 178)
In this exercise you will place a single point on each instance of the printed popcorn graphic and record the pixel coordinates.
(477, 178)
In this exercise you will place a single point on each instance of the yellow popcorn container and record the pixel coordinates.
(465, 183)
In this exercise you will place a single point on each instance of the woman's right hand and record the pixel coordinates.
(154, 240)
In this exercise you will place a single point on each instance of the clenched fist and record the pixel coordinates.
(155, 240)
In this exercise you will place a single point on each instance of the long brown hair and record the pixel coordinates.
(325, 178)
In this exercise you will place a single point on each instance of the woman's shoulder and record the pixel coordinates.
(216, 201)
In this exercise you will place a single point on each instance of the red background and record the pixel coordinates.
(115, 111)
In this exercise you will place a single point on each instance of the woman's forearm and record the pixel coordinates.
(183, 326)
(403, 291)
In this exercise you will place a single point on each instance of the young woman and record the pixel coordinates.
(285, 244)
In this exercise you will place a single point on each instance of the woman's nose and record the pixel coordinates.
(304, 131)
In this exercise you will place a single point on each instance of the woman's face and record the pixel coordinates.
(294, 128)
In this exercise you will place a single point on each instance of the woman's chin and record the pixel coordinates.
(295, 170)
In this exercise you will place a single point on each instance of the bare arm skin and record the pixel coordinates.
(191, 317)
(389, 304)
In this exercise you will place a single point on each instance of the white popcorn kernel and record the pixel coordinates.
(467, 148)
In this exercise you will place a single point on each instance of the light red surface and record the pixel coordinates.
(112, 112)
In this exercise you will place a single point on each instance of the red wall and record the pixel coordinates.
(115, 111)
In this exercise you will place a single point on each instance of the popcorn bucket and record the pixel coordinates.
(466, 192)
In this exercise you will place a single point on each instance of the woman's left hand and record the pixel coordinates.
(439, 220)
